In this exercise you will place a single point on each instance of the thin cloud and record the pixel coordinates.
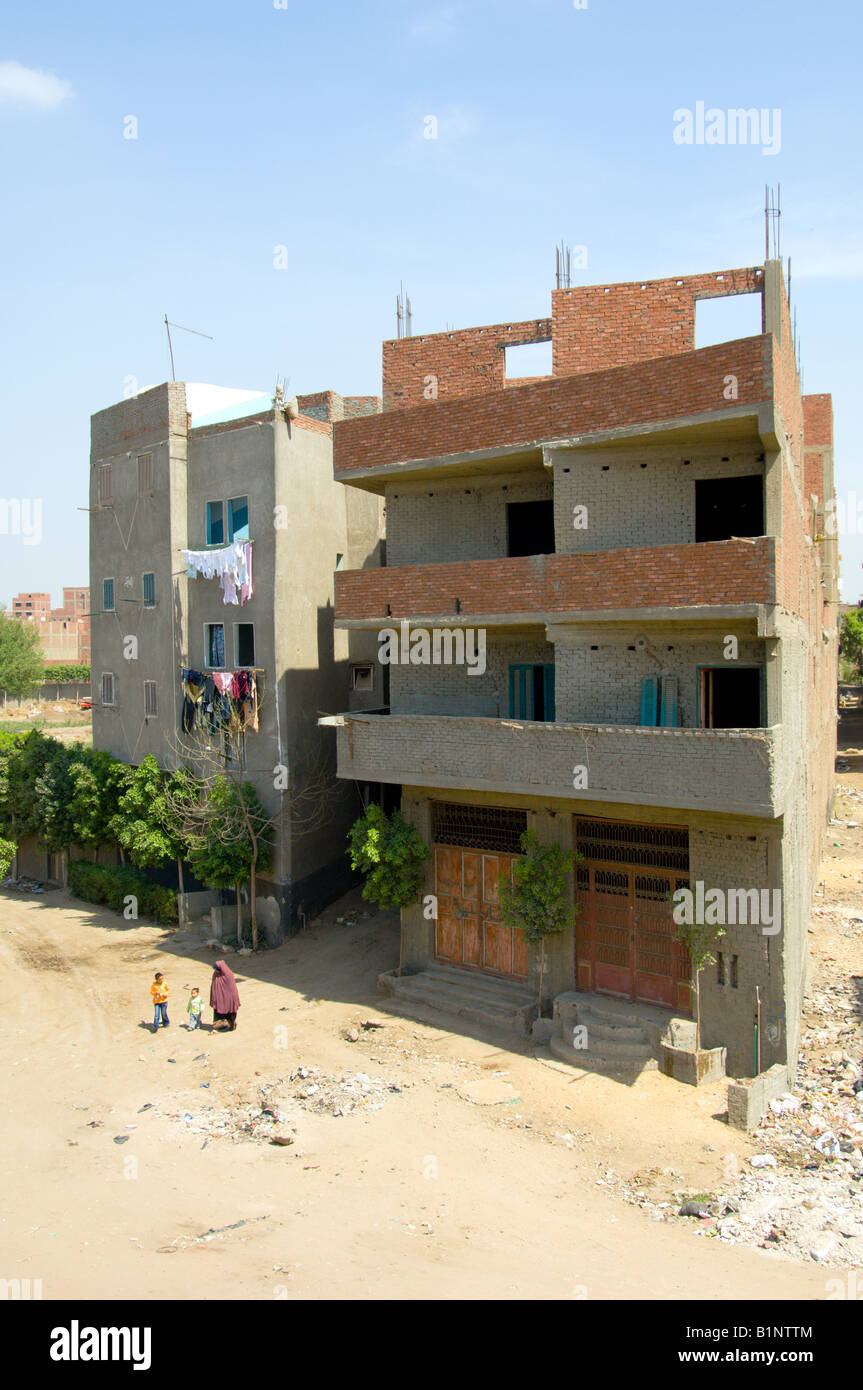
(32, 87)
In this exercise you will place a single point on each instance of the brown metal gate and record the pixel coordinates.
(469, 929)
(625, 934)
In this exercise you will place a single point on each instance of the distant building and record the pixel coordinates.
(65, 631)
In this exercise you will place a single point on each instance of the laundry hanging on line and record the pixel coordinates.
(232, 565)
(219, 700)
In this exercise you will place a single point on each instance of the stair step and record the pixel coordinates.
(591, 1060)
(478, 982)
(599, 1027)
(461, 995)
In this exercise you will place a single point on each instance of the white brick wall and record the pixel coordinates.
(636, 496)
(434, 523)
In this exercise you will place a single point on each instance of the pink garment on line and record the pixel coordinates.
(222, 681)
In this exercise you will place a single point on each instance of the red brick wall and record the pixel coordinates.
(463, 364)
(647, 391)
(818, 420)
(591, 328)
(601, 326)
(649, 576)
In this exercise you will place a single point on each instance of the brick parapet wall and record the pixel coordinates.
(462, 363)
(718, 572)
(668, 388)
(601, 326)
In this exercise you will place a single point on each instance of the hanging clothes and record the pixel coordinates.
(231, 564)
(193, 689)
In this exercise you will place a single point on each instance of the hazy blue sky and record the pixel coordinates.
(303, 127)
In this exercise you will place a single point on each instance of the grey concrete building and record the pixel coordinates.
(173, 470)
(639, 540)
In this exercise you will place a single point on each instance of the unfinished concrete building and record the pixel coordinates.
(636, 537)
(181, 475)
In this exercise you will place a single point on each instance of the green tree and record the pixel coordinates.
(98, 782)
(22, 665)
(534, 901)
(54, 793)
(8, 850)
(851, 640)
(26, 760)
(146, 825)
(389, 852)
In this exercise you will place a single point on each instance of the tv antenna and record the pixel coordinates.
(168, 327)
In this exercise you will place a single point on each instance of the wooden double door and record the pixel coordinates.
(626, 936)
(469, 930)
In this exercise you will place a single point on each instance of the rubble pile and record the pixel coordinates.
(340, 1095)
(801, 1195)
(268, 1119)
(24, 885)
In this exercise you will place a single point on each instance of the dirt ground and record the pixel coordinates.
(436, 1194)
(62, 719)
(481, 1168)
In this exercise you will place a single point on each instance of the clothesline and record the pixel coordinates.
(231, 564)
(220, 700)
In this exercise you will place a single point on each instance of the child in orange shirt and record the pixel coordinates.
(159, 991)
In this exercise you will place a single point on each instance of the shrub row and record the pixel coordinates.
(112, 884)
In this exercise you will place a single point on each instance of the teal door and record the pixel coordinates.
(531, 692)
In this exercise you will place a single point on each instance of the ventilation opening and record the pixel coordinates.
(730, 698)
(726, 507)
(726, 318)
(493, 828)
(530, 528)
(528, 359)
(618, 842)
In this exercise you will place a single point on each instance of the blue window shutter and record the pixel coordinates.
(548, 678)
(649, 700)
(668, 713)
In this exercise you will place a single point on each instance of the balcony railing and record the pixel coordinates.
(663, 576)
(735, 771)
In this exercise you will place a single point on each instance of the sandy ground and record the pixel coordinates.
(485, 1174)
(434, 1195)
(62, 719)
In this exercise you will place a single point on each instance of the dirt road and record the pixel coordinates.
(436, 1194)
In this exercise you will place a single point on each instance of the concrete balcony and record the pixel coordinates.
(735, 771)
(715, 574)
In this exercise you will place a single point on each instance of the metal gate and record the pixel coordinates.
(625, 934)
(469, 930)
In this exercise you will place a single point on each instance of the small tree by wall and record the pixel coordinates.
(390, 853)
(534, 902)
(699, 938)
(230, 839)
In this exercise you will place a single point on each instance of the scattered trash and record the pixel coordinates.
(121, 1138)
(148, 1106)
(828, 1145)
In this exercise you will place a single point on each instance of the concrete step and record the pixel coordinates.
(463, 994)
(621, 1059)
(479, 983)
(600, 1026)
